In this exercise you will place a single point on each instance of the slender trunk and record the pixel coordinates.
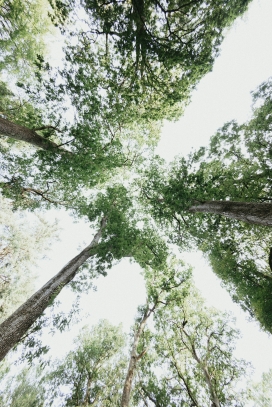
(134, 357)
(16, 326)
(184, 381)
(214, 399)
(18, 132)
(250, 212)
(88, 390)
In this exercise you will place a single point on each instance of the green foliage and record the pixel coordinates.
(126, 234)
(96, 142)
(127, 67)
(20, 247)
(23, 390)
(187, 344)
(23, 27)
(236, 166)
(192, 360)
(261, 393)
(92, 372)
(248, 278)
(104, 110)
(153, 53)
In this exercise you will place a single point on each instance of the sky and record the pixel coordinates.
(224, 94)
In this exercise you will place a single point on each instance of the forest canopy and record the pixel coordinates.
(79, 136)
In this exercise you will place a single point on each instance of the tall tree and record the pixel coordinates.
(186, 358)
(73, 154)
(231, 179)
(255, 213)
(112, 101)
(92, 371)
(163, 288)
(155, 51)
(21, 245)
(118, 236)
(193, 362)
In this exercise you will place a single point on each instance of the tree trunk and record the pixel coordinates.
(214, 399)
(213, 396)
(134, 357)
(250, 212)
(18, 132)
(88, 390)
(16, 326)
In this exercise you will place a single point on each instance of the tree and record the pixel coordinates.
(20, 247)
(186, 358)
(56, 175)
(162, 289)
(232, 179)
(113, 106)
(260, 393)
(251, 212)
(153, 51)
(23, 390)
(249, 149)
(92, 371)
(193, 362)
(24, 25)
(118, 236)
(115, 101)
(73, 155)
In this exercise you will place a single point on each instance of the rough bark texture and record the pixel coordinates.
(250, 212)
(134, 357)
(18, 132)
(16, 326)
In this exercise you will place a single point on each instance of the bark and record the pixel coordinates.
(18, 132)
(214, 399)
(250, 212)
(16, 326)
(213, 396)
(185, 382)
(88, 390)
(134, 357)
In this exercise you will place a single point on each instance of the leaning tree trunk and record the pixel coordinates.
(134, 357)
(15, 326)
(250, 212)
(18, 132)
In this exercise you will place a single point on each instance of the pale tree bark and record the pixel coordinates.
(251, 212)
(17, 325)
(88, 391)
(213, 396)
(185, 382)
(134, 357)
(22, 133)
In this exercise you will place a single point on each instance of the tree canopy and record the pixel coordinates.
(231, 170)
(81, 137)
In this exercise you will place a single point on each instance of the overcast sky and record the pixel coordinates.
(224, 94)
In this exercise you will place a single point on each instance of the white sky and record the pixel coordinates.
(224, 94)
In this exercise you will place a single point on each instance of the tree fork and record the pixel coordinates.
(15, 327)
(251, 212)
(22, 133)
